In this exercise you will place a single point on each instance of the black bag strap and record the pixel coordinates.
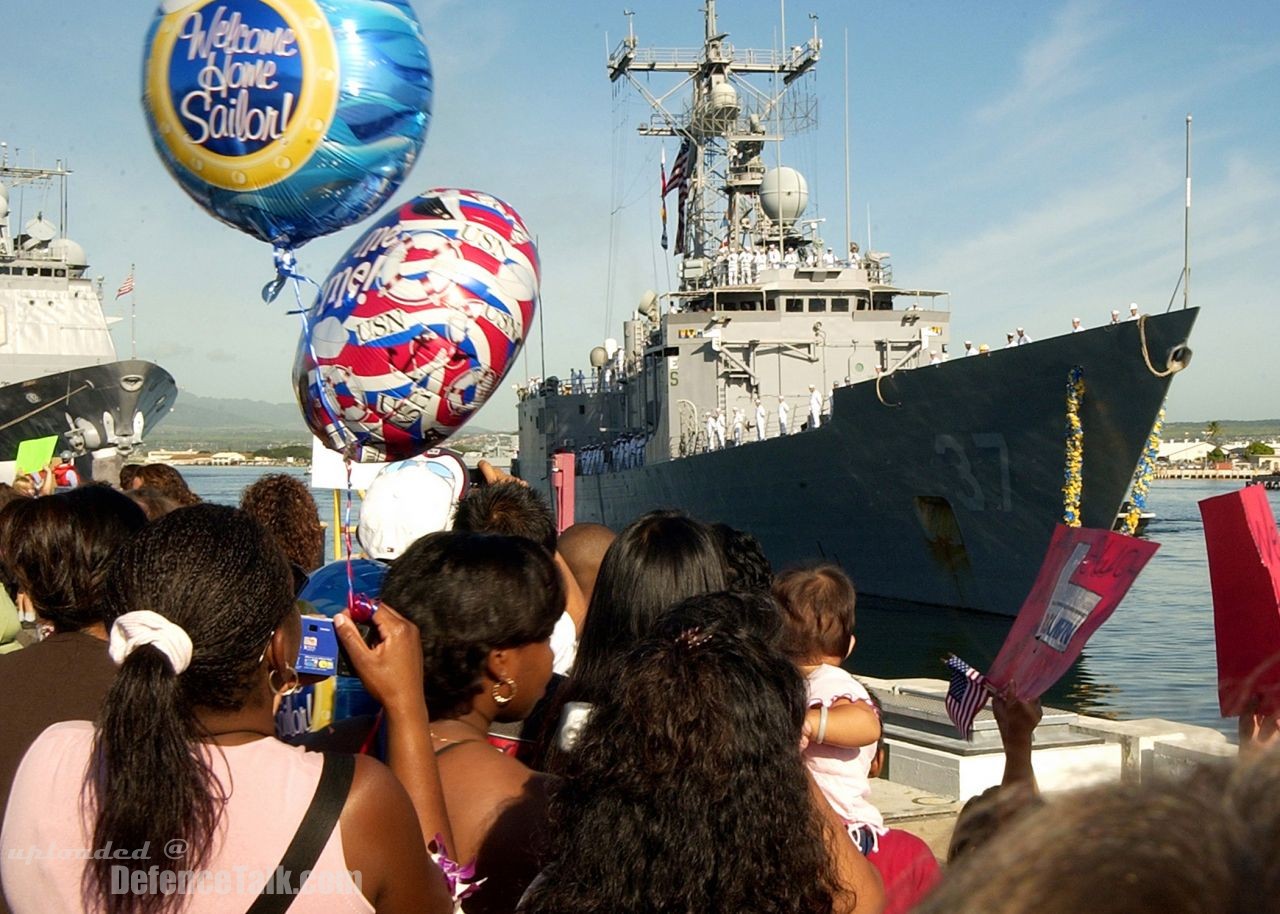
(309, 840)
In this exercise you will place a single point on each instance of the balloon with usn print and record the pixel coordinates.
(417, 325)
(287, 119)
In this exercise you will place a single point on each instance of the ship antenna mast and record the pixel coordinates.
(1186, 229)
(722, 131)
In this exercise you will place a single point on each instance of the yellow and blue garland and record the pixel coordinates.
(1073, 474)
(1143, 475)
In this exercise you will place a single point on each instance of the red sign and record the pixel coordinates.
(1084, 576)
(1244, 569)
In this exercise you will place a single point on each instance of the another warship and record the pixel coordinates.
(933, 480)
(59, 374)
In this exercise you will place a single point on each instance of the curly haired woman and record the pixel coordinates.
(283, 504)
(686, 790)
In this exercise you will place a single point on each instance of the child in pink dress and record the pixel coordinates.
(842, 727)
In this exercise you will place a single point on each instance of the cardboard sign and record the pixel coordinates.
(1084, 576)
(34, 454)
(329, 469)
(1244, 570)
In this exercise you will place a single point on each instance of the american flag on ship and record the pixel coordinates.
(966, 696)
(678, 179)
(126, 287)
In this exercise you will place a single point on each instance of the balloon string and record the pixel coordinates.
(346, 537)
(286, 268)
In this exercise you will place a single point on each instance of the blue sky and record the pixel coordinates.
(1026, 156)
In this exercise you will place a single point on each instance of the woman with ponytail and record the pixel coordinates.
(181, 798)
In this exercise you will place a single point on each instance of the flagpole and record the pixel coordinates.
(133, 316)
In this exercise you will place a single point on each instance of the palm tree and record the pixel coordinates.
(1213, 432)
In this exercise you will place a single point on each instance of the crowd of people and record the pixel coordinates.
(643, 720)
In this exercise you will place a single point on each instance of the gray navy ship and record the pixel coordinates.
(59, 374)
(807, 397)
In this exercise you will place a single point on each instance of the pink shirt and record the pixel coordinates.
(841, 772)
(271, 786)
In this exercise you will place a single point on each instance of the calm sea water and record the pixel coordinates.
(1153, 658)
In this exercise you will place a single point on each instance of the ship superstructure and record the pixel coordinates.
(800, 393)
(59, 373)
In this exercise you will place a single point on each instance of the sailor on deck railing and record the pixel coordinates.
(760, 420)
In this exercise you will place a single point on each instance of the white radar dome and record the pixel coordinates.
(67, 250)
(599, 357)
(610, 347)
(724, 100)
(784, 194)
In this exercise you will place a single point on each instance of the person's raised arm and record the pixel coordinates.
(392, 673)
(383, 846)
(1017, 721)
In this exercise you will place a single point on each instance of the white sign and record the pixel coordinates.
(329, 469)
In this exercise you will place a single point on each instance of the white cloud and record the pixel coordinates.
(1056, 66)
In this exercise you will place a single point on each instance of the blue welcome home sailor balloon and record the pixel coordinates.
(287, 119)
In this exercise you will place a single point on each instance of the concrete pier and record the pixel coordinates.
(930, 772)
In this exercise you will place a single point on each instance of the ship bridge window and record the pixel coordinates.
(60, 273)
(46, 271)
(32, 271)
(795, 305)
(862, 304)
(4, 271)
(817, 304)
(771, 304)
(839, 304)
(728, 306)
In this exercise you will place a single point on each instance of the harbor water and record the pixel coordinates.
(1153, 658)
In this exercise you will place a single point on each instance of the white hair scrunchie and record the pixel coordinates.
(134, 629)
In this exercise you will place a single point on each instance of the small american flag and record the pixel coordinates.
(125, 287)
(966, 696)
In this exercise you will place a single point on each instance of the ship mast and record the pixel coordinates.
(725, 123)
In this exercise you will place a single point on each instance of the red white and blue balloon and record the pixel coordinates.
(417, 325)
(287, 119)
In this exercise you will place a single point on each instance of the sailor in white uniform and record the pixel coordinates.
(1008, 341)
(731, 262)
(784, 416)
(761, 262)
(745, 260)
(711, 431)
(1075, 325)
(934, 358)
(815, 407)
(760, 420)
(1133, 311)
(720, 420)
(829, 258)
(738, 420)
(775, 258)
(722, 263)
(969, 348)
(792, 259)
(810, 257)
(1115, 317)
(1022, 339)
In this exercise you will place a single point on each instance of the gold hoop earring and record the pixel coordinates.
(496, 692)
(289, 682)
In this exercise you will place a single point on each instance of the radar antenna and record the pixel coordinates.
(725, 124)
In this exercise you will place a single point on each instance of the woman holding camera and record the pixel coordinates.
(182, 791)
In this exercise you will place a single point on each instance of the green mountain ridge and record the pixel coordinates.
(220, 423)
